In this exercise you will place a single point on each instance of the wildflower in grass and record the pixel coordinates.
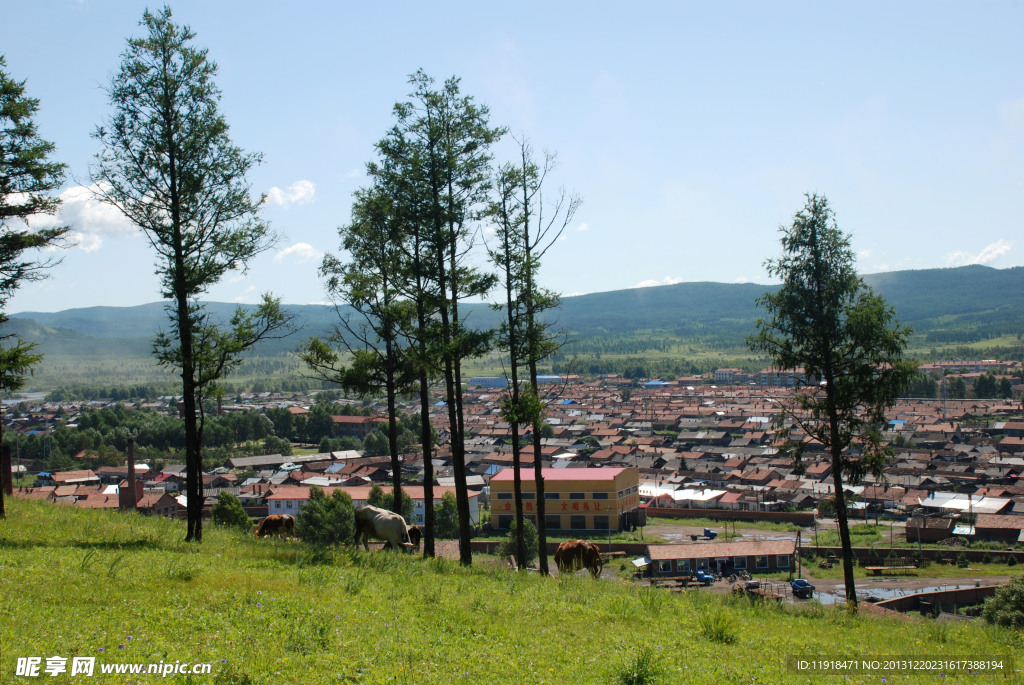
(102, 650)
(121, 646)
(223, 661)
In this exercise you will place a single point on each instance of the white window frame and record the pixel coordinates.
(739, 563)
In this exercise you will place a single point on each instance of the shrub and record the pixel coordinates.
(446, 516)
(228, 511)
(1012, 560)
(716, 626)
(639, 668)
(1006, 607)
(326, 520)
(507, 547)
(385, 500)
(961, 560)
(273, 444)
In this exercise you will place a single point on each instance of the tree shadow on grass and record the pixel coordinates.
(122, 545)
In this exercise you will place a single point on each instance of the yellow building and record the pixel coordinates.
(600, 499)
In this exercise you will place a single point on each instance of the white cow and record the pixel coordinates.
(381, 524)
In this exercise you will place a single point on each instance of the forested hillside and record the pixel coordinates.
(624, 330)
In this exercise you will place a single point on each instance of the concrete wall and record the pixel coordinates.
(946, 600)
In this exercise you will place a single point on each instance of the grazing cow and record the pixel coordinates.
(576, 554)
(415, 537)
(281, 525)
(381, 524)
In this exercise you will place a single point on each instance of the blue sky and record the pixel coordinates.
(691, 130)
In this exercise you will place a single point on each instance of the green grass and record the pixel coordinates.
(927, 570)
(25, 480)
(861, 535)
(720, 525)
(125, 589)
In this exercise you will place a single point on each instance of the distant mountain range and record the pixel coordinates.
(953, 305)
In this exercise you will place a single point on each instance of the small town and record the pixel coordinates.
(618, 451)
(556, 343)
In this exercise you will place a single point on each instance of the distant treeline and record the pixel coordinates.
(150, 392)
(662, 331)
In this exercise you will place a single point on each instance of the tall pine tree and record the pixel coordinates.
(826, 320)
(168, 165)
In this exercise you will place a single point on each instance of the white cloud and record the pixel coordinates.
(650, 282)
(91, 221)
(864, 254)
(583, 227)
(298, 193)
(989, 254)
(249, 297)
(303, 252)
(741, 279)
(86, 242)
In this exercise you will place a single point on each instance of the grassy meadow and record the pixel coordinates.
(126, 589)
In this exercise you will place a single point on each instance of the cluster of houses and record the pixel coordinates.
(682, 443)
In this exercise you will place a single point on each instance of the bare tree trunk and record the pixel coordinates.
(396, 466)
(6, 481)
(428, 465)
(844, 532)
(538, 476)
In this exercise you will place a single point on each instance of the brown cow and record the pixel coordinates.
(281, 525)
(576, 554)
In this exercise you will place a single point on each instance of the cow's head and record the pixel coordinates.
(359, 526)
(415, 536)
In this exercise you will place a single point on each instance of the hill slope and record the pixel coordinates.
(944, 306)
(124, 589)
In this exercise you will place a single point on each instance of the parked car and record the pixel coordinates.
(802, 588)
(704, 578)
